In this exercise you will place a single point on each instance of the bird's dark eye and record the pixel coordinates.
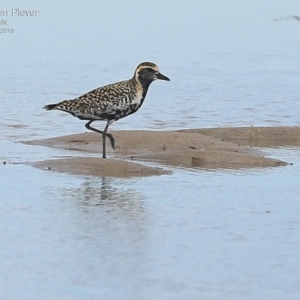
(149, 69)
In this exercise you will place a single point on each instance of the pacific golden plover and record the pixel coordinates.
(112, 102)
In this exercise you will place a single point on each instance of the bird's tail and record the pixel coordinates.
(49, 106)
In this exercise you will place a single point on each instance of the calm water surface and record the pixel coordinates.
(195, 234)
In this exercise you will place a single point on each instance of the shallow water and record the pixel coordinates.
(220, 234)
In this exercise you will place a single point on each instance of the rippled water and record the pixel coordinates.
(195, 234)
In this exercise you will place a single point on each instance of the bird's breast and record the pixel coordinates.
(138, 97)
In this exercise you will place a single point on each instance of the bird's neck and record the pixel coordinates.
(144, 85)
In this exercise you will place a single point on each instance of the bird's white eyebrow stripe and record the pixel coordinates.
(146, 67)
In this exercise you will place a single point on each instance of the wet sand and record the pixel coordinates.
(99, 167)
(210, 148)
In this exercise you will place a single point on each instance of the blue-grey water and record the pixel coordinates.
(195, 234)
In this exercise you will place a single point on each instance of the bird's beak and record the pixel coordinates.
(162, 77)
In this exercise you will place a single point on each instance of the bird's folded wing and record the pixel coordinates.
(110, 110)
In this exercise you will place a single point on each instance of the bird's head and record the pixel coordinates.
(147, 72)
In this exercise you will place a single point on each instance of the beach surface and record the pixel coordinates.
(229, 148)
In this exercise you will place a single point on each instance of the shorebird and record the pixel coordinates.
(112, 102)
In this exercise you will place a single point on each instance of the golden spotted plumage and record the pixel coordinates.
(112, 102)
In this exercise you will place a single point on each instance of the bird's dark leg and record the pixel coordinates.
(104, 134)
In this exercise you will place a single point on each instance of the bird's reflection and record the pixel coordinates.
(107, 214)
(111, 194)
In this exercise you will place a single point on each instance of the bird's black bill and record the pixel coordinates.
(162, 77)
